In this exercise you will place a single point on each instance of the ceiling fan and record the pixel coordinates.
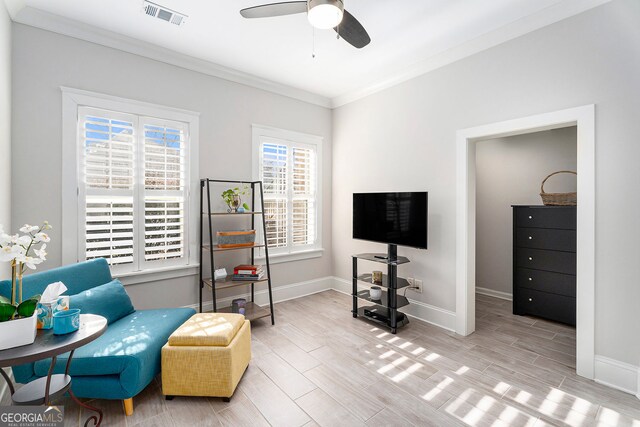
(322, 14)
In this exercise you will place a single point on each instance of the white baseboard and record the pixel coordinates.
(280, 293)
(437, 316)
(496, 294)
(417, 309)
(5, 388)
(618, 375)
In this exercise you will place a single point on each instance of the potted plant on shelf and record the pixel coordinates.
(17, 315)
(232, 198)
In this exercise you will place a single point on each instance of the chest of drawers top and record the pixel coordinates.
(554, 217)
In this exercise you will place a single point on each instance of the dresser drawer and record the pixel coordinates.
(559, 262)
(549, 306)
(545, 238)
(546, 281)
(546, 217)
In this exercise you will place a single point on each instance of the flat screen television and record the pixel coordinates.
(391, 218)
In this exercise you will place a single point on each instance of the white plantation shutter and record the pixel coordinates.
(133, 189)
(275, 176)
(109, 229)
(164, 189)
(107, 170)
(289, 173)
(304, 188)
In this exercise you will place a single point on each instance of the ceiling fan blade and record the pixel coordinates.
(352, 31)
(275, 9)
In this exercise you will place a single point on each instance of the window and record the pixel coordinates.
(133, 180)
(288, 163)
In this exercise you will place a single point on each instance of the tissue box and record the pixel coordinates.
(46, 310)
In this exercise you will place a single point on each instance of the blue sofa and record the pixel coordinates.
(120, 363)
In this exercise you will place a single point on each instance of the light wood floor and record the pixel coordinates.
(319, 366)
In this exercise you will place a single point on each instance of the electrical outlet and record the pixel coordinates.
(411, 281)
(418, 284)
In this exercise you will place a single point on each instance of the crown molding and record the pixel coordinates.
(28, 15)
(68, 27)
(518, 28)
(14, 6)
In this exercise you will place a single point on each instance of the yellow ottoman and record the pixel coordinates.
(206, 356)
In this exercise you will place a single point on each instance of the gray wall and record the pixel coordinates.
(403, 138)
(44, 61)
(5, 128)
(509, 172)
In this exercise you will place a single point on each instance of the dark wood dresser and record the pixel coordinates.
(544, 262)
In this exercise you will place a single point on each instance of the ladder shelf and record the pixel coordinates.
(252, 310)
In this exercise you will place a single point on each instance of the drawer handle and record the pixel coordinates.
(530, 279)
(530, 258)
(530, 299)
(530, 217)
(530, 238)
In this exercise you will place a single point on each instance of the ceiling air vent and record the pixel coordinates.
(164, 13)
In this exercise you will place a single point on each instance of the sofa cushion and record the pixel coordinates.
(109, 300)
(130, 348)
(76, 277)
(208, 329)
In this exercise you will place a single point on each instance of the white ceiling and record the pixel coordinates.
(408, 36)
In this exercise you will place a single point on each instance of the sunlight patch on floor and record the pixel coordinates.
(418, 350)
(609, 417)
(462, 370)
(509, 414)
(431, 394)
(387, 354)
(581, 405)
(410, 370)
(548, 407)
(501, 388)
(432, 357)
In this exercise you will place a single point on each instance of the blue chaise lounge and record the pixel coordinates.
(126, 358)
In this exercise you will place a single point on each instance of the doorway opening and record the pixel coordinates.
(583, 118)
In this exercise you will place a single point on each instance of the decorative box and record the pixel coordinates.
(235, 239)
(46, 310)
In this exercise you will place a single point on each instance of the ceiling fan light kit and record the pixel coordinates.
(325, 14)
(322, 14)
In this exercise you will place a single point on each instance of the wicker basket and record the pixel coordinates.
(558, 199)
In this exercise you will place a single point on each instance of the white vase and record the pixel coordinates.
(18, 332)
(375, 293)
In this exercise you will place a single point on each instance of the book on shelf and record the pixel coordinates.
(247, 269)
(248, 277)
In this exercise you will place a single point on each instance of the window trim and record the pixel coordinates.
(258, 131)
(71, 100)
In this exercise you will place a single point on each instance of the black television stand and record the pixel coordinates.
(385, 310)
(392, 253)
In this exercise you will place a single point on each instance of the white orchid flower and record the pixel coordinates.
(46, 226)
(42, 237)
(29, 228)
(18, 250)
(4, 238)
(29, 261)
(24, 240)
(7, 254)
(41, 253)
